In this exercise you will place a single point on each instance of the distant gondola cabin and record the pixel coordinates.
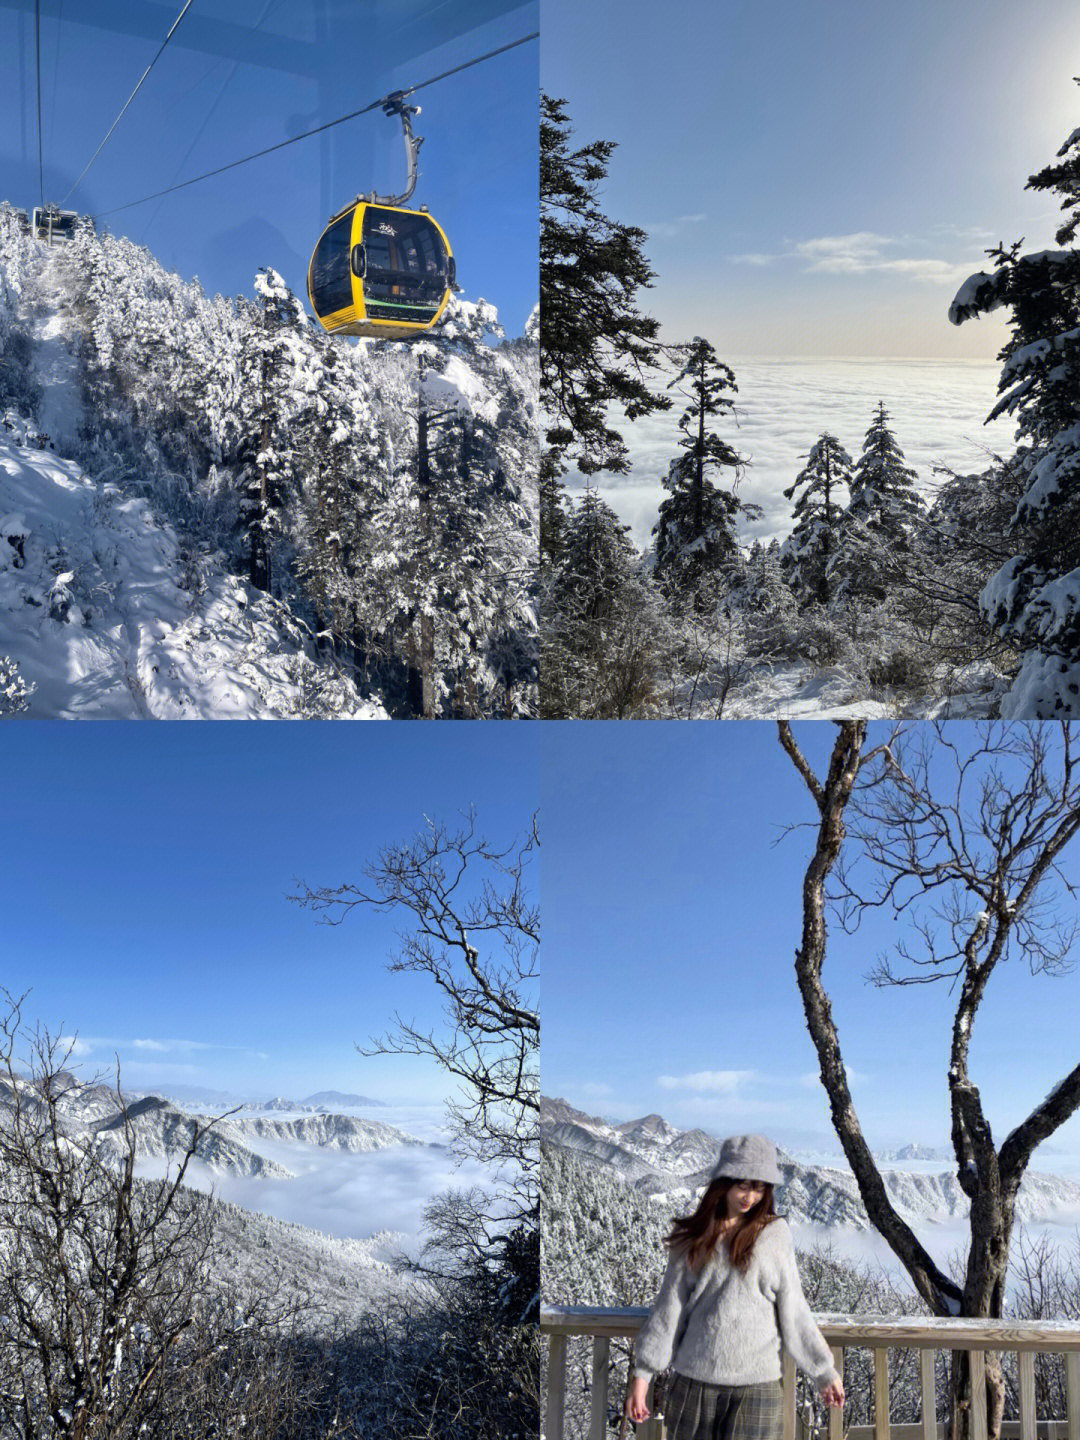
(52, 225)
(380, 271)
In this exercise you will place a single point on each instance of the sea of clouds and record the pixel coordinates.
(944, 1242)
(937, 410)
(351, 1196)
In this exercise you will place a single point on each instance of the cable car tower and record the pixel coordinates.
(381, 269)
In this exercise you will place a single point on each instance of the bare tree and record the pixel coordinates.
(111, 1324)
(964, 843)
(473, 927)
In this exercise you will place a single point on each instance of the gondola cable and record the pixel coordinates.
(127, 102)
(209, 114)
(37, 55)
(364, 110)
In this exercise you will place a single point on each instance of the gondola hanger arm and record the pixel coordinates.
(395, 104)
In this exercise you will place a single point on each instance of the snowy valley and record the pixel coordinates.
(343, 1263)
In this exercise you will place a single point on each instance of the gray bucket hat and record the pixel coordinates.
(747, 1157)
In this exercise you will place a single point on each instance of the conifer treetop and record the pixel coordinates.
(596, 344)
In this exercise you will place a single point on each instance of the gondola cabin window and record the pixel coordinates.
(331, 281)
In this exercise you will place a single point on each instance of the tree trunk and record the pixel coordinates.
(425, 649)
(427, 667)
(260, 554)
(699, 453)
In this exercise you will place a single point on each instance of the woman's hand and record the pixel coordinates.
(833, 1394)
(635, 1400)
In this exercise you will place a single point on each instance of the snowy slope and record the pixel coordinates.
(341, 1278)
(109, 619)
(160, 447)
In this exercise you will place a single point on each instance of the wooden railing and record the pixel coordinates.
(926, 1335)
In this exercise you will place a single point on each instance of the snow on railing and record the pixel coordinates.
(926, 1334)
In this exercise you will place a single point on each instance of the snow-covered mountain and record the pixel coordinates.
(323, 1102)
(338, 1099)
(92, 1114)
(162, 1132)
(914, 1151)
(661, 1161)
(332, 1132)
(105, 617)
(209, 508)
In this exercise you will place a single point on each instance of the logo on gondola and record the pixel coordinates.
(384, 229)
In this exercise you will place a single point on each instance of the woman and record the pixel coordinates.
(730, 1294)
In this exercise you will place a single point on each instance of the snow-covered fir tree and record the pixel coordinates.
(603, 627)
(344, 481)
(269, 358)
(695, 531)
(14, 691)
(810, 549)
(876, 526)
(1035, 596)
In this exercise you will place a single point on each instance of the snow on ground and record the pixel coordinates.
(107, 618)
(796, 690)
(459, 387)
(57, 369)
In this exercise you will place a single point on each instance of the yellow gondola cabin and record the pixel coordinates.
(382, 271)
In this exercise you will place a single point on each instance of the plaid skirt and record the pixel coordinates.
(697, 1411)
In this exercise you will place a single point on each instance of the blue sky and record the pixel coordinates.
(818, 179)
(202, 105)
(145, 879)
(671, 918)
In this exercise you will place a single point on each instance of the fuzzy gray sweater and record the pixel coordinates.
(723, 1327)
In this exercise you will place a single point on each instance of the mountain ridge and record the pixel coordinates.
(663, 1162)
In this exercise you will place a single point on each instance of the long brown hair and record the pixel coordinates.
(696, 1236)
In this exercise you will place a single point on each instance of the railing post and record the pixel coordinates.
(1026, 1360)
(978, 1395)
(556, 1387)
(787, 1381)
(928, 1385)
(881, 1393)
(598, 1395)
(836, 1412)
(1072, 1392)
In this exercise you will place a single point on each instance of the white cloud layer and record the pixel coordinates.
(723, 1082)
(937, 409)
(670, 229)
(341, 1194)
(864, 253)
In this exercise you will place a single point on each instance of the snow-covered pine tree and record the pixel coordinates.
(482, 632)
(695, 531)
(876, 526)
(267, 370)
(1034, 598)
(18, 387)
(807, 554)
(597, 346)
(343, 481)
(602, 621)
(14, 691)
